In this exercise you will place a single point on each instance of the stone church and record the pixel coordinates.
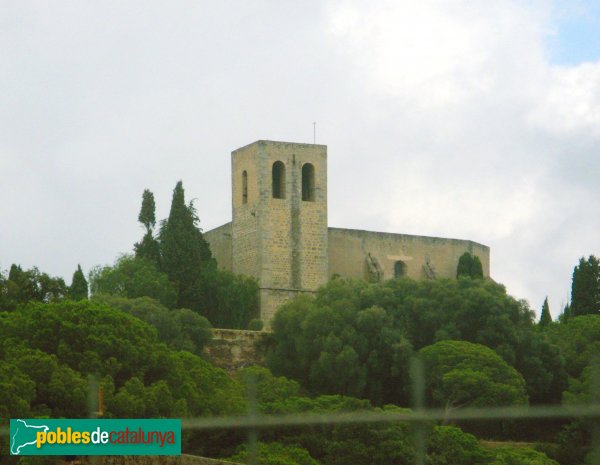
(279, 232)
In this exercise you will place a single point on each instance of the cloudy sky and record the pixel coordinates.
(463, 118)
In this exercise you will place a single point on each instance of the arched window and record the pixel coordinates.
(308, 182)
(244, 186)
(278, 180)
(399, 269)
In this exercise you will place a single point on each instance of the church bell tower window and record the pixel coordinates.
(244, 186)
(278, 180)
(308, 182)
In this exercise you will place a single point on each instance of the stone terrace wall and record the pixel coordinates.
(232, 349)
(150, 460)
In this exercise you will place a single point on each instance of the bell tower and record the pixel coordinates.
(279, 219)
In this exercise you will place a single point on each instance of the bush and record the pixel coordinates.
(255, 324)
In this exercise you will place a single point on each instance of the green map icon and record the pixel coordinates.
(24, 435)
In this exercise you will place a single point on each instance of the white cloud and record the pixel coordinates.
(442, 118)
(496, 143)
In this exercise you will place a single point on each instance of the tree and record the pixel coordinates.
(520, 456)
(79, 286)
(415, 314)
(545, 317)
(273, 453)
(469, 266)
(48, 351)
(477, 268)
(149, 247)
(30, 285)
(461, 374)
(184, 251)
(147, 214)
(180, 329)
(585, 289)
(133, 277)
(267, 388)
(579, 342)
(451, 445)
(340, 349)
(228, 300)
(465, 264)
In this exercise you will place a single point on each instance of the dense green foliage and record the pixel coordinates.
(341, 349)
(274, 453)
(49, 350)
(148, 248)
(228, 300)
(356, 338)
(585, 289)
(450, 445)
(545, 317)
(255, 324)
(21, 286)
(133, 277)
(469, 266)
(460, 373)
(177, 269)
(520, 456)
(147, 214)
(180, 329)
(79, 286)
(184, 251)
(351, 348)
(578, 340)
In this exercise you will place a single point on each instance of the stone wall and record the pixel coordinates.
(219, 240)
(150, 460)
(245, 217)
(285, 243)
(292, 231)
(350, 252)
(271, 299)
(232, 349)
(281, 241)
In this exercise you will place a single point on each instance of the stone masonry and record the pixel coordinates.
(279, 232)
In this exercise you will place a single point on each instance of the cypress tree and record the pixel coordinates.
(566, 314)
(79, 286)
(147, 214)
(476, 268)
(184, 251)
(585, 289)
(465, 265)
(545, 317)
(148, 247)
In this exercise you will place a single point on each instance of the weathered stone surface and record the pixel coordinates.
(232, 349)
(421, 255)
(286, 244)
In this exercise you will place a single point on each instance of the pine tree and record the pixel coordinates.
(79, 286)
(545, 317)
(148, 247)
(585, 289)
(465, 265)
(184, 251)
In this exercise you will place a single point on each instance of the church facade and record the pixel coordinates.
(279, 232)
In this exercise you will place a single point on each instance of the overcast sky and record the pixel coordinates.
(468, 119)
